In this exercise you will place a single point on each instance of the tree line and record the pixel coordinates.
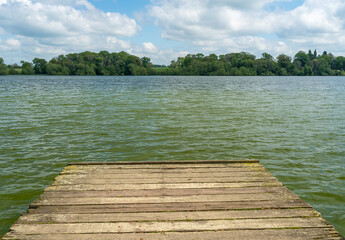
(231, 64)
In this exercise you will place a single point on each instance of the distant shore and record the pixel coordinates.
(230, 64)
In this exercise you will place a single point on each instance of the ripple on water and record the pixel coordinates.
(295, 126)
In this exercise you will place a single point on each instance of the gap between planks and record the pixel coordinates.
(183, 199)
(181, 226)
(262, 234)
(167, 216)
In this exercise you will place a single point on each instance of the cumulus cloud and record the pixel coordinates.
(71, 25)
(9, 44)
(149, 47)
(313, 17)
(46, 19)
(244, 4)
(241, 24)
(205, 19)
(46, 28)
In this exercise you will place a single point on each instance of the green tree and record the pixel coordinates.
(322, 67)
(56, 69)
(3, 67)
(266, 65)
(284, 61)
(339, 63)
(267, 57)
(311, 55)
(243, 63)
(146, 62)
(301, 59)
(315, 54)
(40, 66)
(27, 68)
(12, 70)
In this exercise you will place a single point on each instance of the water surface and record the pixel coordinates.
(294, 125)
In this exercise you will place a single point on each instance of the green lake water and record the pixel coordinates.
(294, 125)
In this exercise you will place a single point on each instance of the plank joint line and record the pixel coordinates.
(208, 199)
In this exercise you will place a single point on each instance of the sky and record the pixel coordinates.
(164, 30)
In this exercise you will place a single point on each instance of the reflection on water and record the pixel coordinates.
(294, 125)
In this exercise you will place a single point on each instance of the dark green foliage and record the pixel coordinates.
(3, 67)
(40, 66)
(230, 64)
(146, 62)
(246, 64)
(12, 70)
(301, 59)
(27, 68)
(339, 63)
(102, 63)
(284, 61)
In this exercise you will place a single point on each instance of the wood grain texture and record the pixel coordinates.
(166, 207)
(163, 192)
(169, 200)
(177, 226)
(167, 216)
(262, 234)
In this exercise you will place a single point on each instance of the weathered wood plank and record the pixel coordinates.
(179, 226)
(93, 181)
(262, 234)
(163, 192)
(165, 175)
(173, 207)
(164, 199)
(183, 200)
(77, 170)
(168, 216)
(109, 187)
(148, 171)
(165, 166)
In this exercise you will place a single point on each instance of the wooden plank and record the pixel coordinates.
(96, 181)
(164, 166)
(262, 234)
(164, 199)
(167, 216)
(184, 200)
(157, 171)
(94, 170)
(163, 192)
(110, 187)
(165, 175)
(173, 207)
(178, 226)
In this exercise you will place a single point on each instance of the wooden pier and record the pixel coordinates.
(180, 200)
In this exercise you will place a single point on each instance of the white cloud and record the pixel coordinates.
(13, 42)
(53, 26)
(149, 47)
(41, 19)
(244, 4)
(47, 28)
(313, 17)
(113, 42)
(9, 44)
(247, 25)
(206, 19)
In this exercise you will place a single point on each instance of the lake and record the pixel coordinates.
(294, 125)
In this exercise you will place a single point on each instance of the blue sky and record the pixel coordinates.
(128, 7)
(165, 30)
